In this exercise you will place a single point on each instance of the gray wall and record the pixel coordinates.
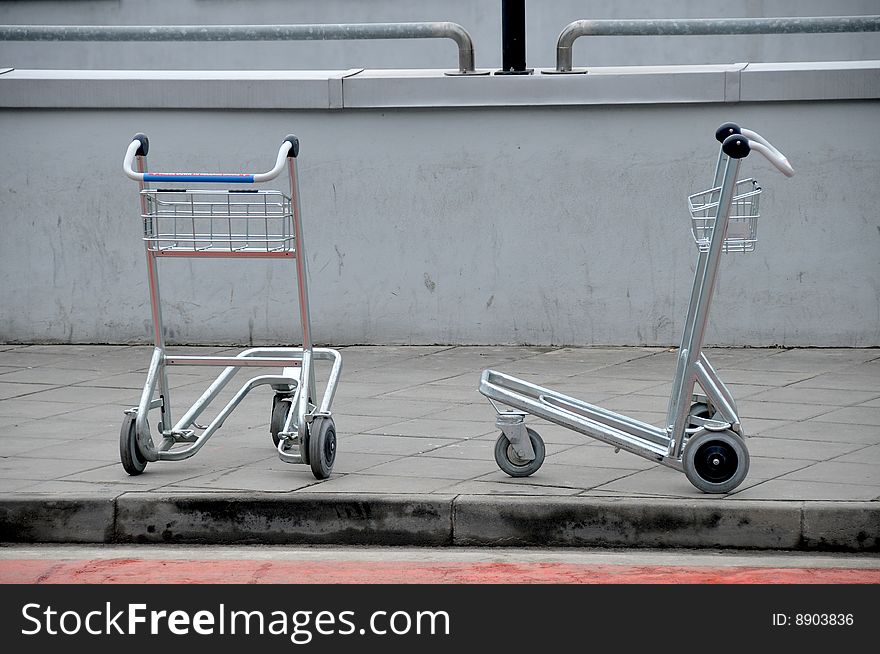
(480, 17)
(449, 223)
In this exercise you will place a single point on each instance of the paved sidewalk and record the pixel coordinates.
(412, 424)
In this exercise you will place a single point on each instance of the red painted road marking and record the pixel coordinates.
(140, 571)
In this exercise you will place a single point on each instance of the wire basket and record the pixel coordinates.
(218, 222)
(742, 226)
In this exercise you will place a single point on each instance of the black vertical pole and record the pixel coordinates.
(513, 38)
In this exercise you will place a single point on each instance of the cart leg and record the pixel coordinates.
(156, 311)
(698, 314)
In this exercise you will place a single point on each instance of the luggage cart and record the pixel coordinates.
(703, 436)
(249, 223)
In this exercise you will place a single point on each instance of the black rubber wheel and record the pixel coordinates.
(508, 460)
(280, 406)
(700, 410)
(716, 462)
(129, 452)
(322, 447)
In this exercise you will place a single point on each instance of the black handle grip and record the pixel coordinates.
(726, 130)
(294, 145)
(145, 144)
(736, 146)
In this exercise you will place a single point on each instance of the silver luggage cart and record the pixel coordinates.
(248, 222)
(703, 436)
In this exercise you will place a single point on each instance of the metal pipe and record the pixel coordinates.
(314, 32)
(696, 332)
(513, 38)
(706, 26)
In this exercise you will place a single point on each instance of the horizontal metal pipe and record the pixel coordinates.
(314, 32)
(253, 362)
(707, 26)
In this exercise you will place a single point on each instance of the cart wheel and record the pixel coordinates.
(510, 462)
(700, 410)
(715, 462)
(129, 453)
(322, 447)
(280, 407)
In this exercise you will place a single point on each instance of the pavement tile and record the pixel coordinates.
(59, 487)
(593, 389)
(763, 377)
(400, 445)
(854, 415)
(870, 454)
(813, 450)
(35, 409)
(359, 461)
(11, 447)
(478, 487)
(838, 471)
(804, 360)
(759, 426)
(14, 485)
(429, 427)
(550, 434)
(564, 476)
(10, 390)
(780, 410)
(482, 449)
(805, 395)
(44, 468)
(474, 412)
(105, 450)
(157, 474)
(86, 395)
(433, 467)
(381, 484)
(351, 390)
(761, 467)
(386, 407)
(826, 431)
(784, 489)
(349, 424)
(634, 402)
(399, 376)
(254, 477)
(638, 371)
(599, 456)
(658, 481)
(437, 393)
(51, 375)
(845, 381)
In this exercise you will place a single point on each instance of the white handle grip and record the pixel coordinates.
(290, 143)
(774, 156)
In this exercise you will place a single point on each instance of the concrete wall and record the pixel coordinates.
(480, 17)
(543, 210)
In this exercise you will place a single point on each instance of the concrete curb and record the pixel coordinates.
(440, 520)
(52, 519)
(583, 522)
(282, 518)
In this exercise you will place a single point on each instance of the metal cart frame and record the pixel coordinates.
(249, 223)
(703, 436)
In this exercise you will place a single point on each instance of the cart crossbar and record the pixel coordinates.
(254, 362)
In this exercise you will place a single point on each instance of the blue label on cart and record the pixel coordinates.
(197, 177)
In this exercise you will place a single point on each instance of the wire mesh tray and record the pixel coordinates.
(742, 226)
(218, 222)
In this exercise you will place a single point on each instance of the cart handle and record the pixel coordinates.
(140, 145)
(739, 147)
